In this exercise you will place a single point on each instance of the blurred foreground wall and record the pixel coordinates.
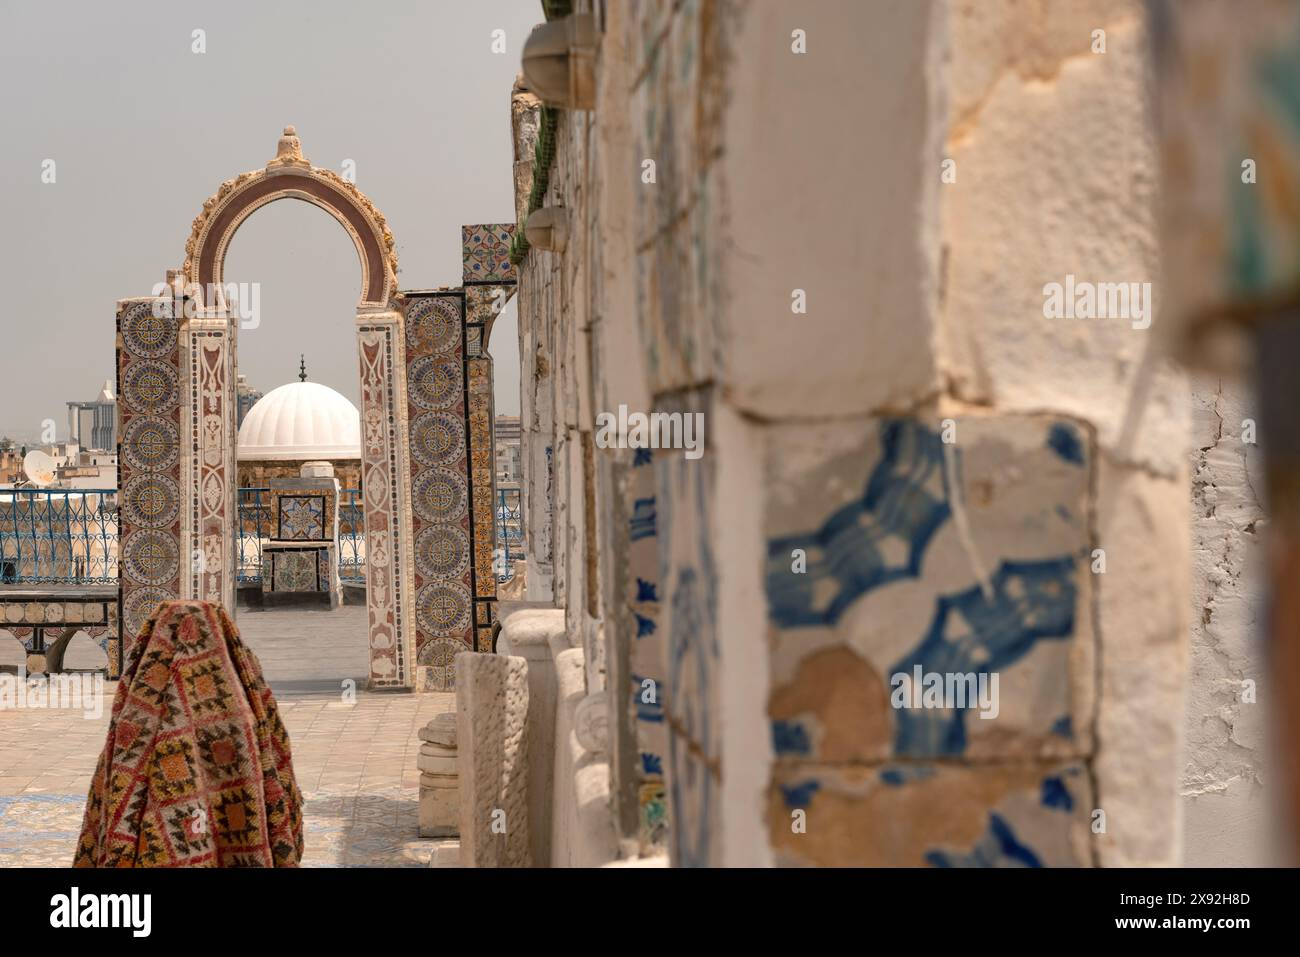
(900, 258)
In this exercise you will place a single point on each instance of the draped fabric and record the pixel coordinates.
(196, 771)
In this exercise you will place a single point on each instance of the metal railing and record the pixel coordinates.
(510, 532)
(352, 541)
(256, 527)
(58, 536)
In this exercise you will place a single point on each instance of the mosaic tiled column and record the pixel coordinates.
(149, 462)
(207, 464)
(482, 479)
(384, 463)
(489, 279)
(444, 569)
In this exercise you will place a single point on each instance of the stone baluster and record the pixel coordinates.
(439, 781)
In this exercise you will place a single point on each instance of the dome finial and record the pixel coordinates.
(302, 368)
(288, 151)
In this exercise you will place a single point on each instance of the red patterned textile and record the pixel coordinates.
(196, 771)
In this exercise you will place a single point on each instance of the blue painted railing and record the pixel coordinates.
(70, 536)
(58, 536)
(352, 542)
(254, 528)
(510, 532)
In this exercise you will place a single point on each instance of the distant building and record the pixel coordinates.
(11, 466)
(245, 398)
(93, 425)
(73, 466)
(87, 468)
(508, 465)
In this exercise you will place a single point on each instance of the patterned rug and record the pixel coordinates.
(196, 771)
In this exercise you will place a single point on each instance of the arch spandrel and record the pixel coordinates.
(291, 176)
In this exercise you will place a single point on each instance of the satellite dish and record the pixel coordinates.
(38, 467)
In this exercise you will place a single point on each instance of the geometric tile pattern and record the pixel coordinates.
(301, 518)
(150, 556)
(298, 569)
(148, 409)
(440, 489)
(484, 303)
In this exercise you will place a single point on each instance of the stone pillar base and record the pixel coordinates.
(439, 783)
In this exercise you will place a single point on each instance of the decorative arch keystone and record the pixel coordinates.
(291, 176)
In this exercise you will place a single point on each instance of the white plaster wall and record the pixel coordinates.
(1055, 175)
(824, 141)
(745, 678)
(1225, 781)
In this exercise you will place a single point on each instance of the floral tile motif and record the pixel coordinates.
(486, 252)
(928, 588)
(301, 518)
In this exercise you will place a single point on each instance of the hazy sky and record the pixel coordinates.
(142, 130)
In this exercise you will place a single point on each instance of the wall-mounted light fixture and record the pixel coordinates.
(560, 62)
(548, 228)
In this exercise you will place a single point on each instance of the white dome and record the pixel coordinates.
(301, 420)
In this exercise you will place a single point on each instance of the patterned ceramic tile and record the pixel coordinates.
(299, 570)
(301, 518)
(440, 447)
(687, 615)
(483, 474)
(930, 599)
(486, 252)
(149, 389)
(940, 815)
(484, 303)
(646, 654)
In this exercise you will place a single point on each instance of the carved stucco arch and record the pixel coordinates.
(291, 176)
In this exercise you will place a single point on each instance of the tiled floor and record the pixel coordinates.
(355, 760)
